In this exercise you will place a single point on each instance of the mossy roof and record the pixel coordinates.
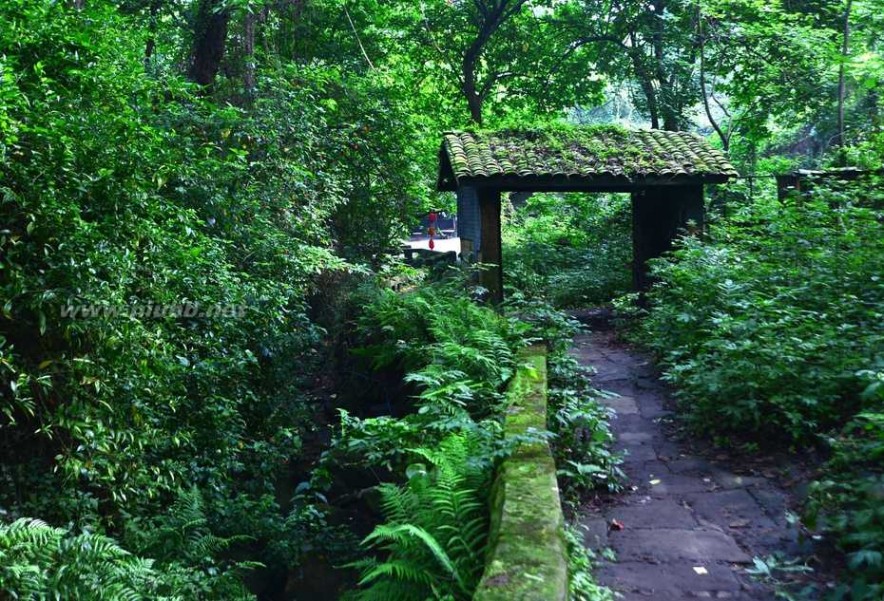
(578, 158)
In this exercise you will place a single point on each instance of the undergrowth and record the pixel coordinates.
(39, 561)
(581, 582)
(764, 327)
(582, 438)
(435, 457)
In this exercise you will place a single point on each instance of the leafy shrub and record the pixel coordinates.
(764, 326)
(457, 354)
(451, 359)
(849, 497)
(581, 584)
(457, 358)
(446, 361)
(768, 330)
(581, 436)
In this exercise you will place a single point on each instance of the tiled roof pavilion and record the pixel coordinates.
(578, 158)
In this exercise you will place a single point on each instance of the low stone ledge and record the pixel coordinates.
(527, 557)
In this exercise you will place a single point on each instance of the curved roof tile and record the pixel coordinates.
(582, 155)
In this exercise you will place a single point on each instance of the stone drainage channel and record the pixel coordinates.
(686, 527)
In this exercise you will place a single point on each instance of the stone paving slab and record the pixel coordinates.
(666, 579)
(623, 405)
(728, 480)
(733, 508)
(691, 466)
(773, 502)
(639, 472)
(660, 545)
(675, 484)
(633, 438)
(650, 512)
(637, 453)
(680, 512)
(595, 533)
(632, 422)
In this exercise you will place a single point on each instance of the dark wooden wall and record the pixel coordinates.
(659, 214)
(490, 251)
(469, 223)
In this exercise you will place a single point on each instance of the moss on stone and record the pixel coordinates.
(527, 557)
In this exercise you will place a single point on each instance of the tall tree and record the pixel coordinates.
(510, 53)
(488, 19)
(649, 44)
(707, 92)
(842, 66)
(768, 61)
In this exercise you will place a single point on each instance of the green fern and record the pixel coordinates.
(436, 528)
(39, 561)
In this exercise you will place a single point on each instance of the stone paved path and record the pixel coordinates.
(690, 526)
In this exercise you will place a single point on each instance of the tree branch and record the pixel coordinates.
(725, 139)
(356, 35)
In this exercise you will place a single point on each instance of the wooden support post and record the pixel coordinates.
(659, 215)
(490, 251)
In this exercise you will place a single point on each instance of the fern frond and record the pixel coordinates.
(401, 532)
(401, 570)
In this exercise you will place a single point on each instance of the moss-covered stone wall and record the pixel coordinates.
(527, 557)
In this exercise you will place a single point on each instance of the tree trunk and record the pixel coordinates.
(874, 104)
(151, 45)
(468, 75)
(248, 48)
(210, 40)
(842, 84)
(493, 15)
(725, 139)
(666, 92)
(474, 101)
(646, 83)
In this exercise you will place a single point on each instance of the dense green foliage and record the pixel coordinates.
(573, 250)
(39, 561)
(582, 585)
(196, 197)
(436, 526)
(766, 324)
(455, 356)
(36, 561)
(122, 192)
(847, 497)
(581, 438)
